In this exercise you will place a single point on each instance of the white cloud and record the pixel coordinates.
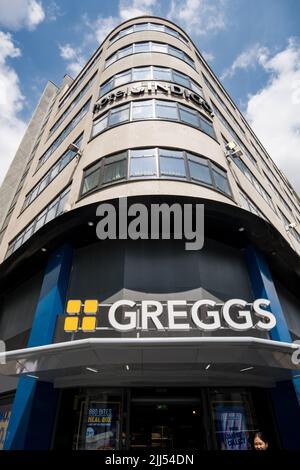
(74, 57)
(208, 56)
(274, 111)
(11, 103)
(249, 58)
(199, 17)
(16, 14)
(132, 8)
(99, 28)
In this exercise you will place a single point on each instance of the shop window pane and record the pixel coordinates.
(157, 47)
(181, 79)
(141, 47)
(100, 125)
(141, 73)
(114, 171)
(221, 181)
(160, 73)
(189, 116)
(91, 181)
(120, 114)
(199, 169)
(105, 88)
(207, 127)
(124, 52)
(142, 109)
(122, 78)
(166, 110)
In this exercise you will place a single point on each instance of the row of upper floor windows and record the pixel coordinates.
(152, 109)
(149, 46)
(67, 130)
(52, 210)
(149, 26)
(149, 72)
(52, 173)
(145, 163)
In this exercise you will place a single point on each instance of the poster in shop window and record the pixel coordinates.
(231, 427)
(5, 412)
(102, 426)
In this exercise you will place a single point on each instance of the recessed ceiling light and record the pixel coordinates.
(91, 224)
(127, 367)
(241, 229)
(44, 250)
(91, 369)
(207, 367)
(247, 368)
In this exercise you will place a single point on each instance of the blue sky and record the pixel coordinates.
(254, 46)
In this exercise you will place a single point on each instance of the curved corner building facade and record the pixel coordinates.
(147, 122)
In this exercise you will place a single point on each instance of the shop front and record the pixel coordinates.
(163, 418)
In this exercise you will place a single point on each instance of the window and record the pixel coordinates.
(141, 73)
(143, 163)
(166, 110)
(199, 169)
(207, 127)
(149, 46)
(115, 168)
(124, 52)
(120, 114)
(181, 79)
(158, 47)
(106, 87)
(65, 158)
(72, 124)
(151, 27)
(160, 73)
(220, 178)
(171, 163)
(54, 209)
(100, 124)
(189, 116)
(122, 78)
(91, 180)
(154, 163)
(142, 109)
(150, 73)
(141, 47)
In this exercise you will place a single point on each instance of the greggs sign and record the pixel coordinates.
(206, 315)
(150, 88)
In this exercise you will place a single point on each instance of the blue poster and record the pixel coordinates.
(231, 427)
(102, 426)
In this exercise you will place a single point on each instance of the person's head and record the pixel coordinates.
(260, 441)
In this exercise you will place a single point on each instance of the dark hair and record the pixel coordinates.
(261, 435)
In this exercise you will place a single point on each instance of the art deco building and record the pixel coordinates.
(145, 119)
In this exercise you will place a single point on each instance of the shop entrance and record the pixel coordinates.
(164, 419)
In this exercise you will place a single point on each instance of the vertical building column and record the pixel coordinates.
(286, 394)
(33, 413)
